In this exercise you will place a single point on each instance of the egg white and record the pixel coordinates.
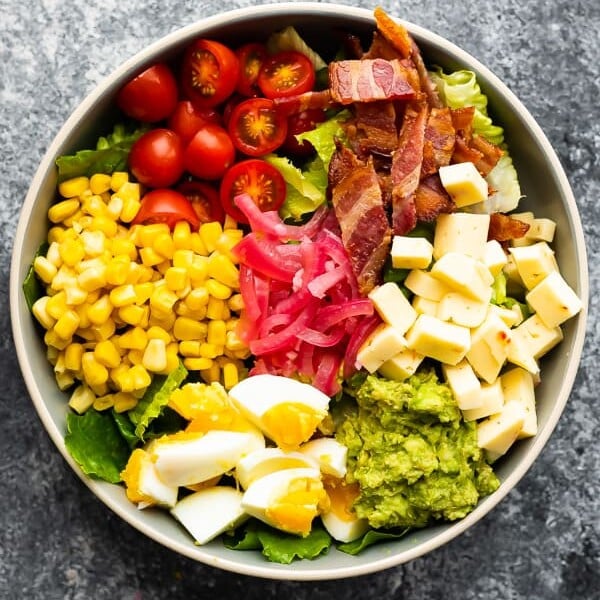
(329, 454)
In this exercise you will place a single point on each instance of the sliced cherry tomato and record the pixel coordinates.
(156, 158)
(299, 123)
(205, 200)
(262, 181)
(166, 206)
(251, 57)
(151, 96)
(229, 106)
(186, 119)
(256, 128)
(210, 73)
(286, 74)
(210, 152)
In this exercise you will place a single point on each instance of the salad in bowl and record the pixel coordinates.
(294, 298)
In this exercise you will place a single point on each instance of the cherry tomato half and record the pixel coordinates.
(210, 152)
(156, 158)
(262, 181)
(251, 57)
(166, 206)
(256, 128)
(205, 200)
(299, 123)
(210, 73)
(186, 119)
(285, 74)
(151, 96)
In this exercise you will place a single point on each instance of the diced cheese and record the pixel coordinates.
(513, 278)
(554, 300)
(464, 183)
(423, 284)
(492, 401)
(423, 306)
(536, 337)
(384, 343)
(534, 262)
(489, 347)
(411, 252)
(393, 306)
(541, 230)
(402, 365)
(494, 257)
(464, 385)
(461, 273)
(461, 310)
(438, 339)
(517, 386)
(524, 240)
(461, 232)
(519, 352)
(497, 433)
(511, 316)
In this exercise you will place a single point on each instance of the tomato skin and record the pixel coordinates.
(210, 152)
(286, 74)
(186, 119)
(205, 200)
(156, 158)
(166, 206)
(251, 57)
(256, 128)
(210, 73)
(299, 123)
(262, 181)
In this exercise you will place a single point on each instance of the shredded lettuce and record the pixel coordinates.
(290, 39)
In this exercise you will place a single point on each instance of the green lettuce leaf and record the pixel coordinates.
(368, 539)
(290, 39)
(155, 399)
(32, 286)
(95, 443)
(126, 428)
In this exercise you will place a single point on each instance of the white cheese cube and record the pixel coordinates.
(541, 230)
(421, 283)
(491, 402)
(511, 316)
(464, 385)
(437, 339)
(402, 365)
(534, 263)
(554, 300)
(464, 183)
(462, 310)
(538, 338)
(524, 240)
(520, 354)
(517, 386)
(462, 274)
(393, 306)
(384, 343)
(411, 252)
(497, 433)
(494, 257)
(423, 306)
(461, 232)
(513, 279)
(489, 347)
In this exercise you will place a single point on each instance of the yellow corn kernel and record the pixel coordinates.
(71, 251)
(100, 389)
(158, 333)
(218, 290)
(123, 295)
(141, 377)
(107, 354)
(162, 299)
(86, 334)
(44, 269)
(99, 183)
(114, 207)
(55, 234)
(67, 324)
(190, 348)
(229, 223)
(135, 357)
(75, 295)
(52, 354)
(81, 310)
(72, 356)
(143, 291)
(176, 278)
(197, 298)
(96, 207)
(197, 364)
(183, 310)
(130, 210)
(123, 246)
(183, 258)
(92, 279)
(117, 270)
(216, 333)
(210, 350)
(241, 354)
(164, 245)
(122, 401)
(94, 373)
(116, 372)
(217, 309)
(53, 254)
(212, 373)
(93, 242)
(209, 233)
(134, 339)
(198, 270)
(233, 342)
(197, 245)
(104, 331)
(81, 398)
(227, 242)
(72, 188)
(133, 314)
(51, 338)
(162, 266)
(150, 257)
(104, 224)
(230, 375)
(181, 235)
(129, 191)
(40, 312)
(159, 319)
(185, 328)
(155, 356)
(149, 233)
(223, 270)
(56, 305)
(98, 262)
(99, 312)
(117, 179)
(64, 380)
(104, 402)
(235, 303)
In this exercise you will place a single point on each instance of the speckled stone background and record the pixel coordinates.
(57, 541)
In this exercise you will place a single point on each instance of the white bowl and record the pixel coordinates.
(542, 180)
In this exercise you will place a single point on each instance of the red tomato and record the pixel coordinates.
(205, 200)
(151, 96)
(210, 73)
(286, 74)
(262, 181)
(251, 57)
(210, 153)
(166, 206)
(186, 119)
(299, 123)
(256, 128)
(156, 158)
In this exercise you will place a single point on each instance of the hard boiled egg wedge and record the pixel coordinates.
(209, 512)
(286, 410)
(340, 520)
(288, 500)
(329, 454)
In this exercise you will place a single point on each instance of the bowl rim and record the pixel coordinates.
(293, 572)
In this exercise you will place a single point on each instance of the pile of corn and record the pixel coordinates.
(126, 302)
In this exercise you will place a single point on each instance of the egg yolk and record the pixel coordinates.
(132, 474)
(290, 424)
(295, 510)
(200, 400)
(342, 496)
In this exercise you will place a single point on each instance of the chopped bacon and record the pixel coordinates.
(393, 32)
(376, 128)
(426, 84)
(381, 48)
(490, 154)
(462, 121)
(308, 100)
(369, 80)
(439, 141)
(431, 199)
(464, 153)
(504, 228)
(358, 205)
(352, 45)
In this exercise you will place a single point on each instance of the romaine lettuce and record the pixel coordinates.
(289, 39)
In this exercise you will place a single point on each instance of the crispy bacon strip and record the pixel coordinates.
(381, 48)
(464, 153)
(299, 102)
(440, 138)
(427, 85)
(504, 228)
(431, 199)
(490, 154)
(369, 80)
(393, 32)
(376, 128)
(462, 121)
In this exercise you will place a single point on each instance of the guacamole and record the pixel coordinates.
(415, 459)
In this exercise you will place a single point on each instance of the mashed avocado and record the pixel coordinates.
(413, 456)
